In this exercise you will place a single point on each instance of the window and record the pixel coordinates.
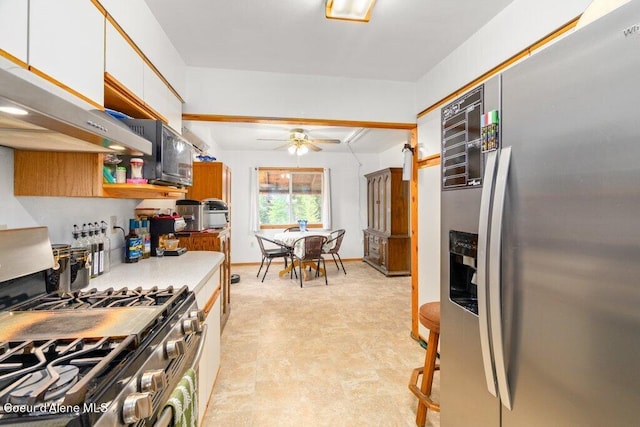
(287, 195)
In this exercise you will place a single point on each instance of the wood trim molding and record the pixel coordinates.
(429, 161)
(295, 120)
(124, 91)
(211, 301)
(47, 77)
(100, 7)
(413, 206)
(503, 65)
(135, 47)
(13, 59)
(118, 96)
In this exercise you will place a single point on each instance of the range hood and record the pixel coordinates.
(194, 139)
(34, 118)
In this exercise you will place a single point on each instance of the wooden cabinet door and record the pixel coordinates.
(370, 202)
(207, 181)
(384, 253)
(376, 200)
(225, 279)
(385, 201)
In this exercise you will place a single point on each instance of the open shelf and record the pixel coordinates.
(142, 191)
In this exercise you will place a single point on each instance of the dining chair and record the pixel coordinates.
(286, 230)
(333, 246)
(268, 254)
(308, 251)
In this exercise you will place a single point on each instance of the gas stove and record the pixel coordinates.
(96, 358)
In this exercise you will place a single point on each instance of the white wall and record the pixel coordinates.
(348, 190)
(516, 27)
(248, 93)
(251, 93)
(58, 213)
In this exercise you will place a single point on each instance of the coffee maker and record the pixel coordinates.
(160, 228)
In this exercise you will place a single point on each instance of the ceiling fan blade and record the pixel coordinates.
(282, 146)
(313, 147)
(325, 141)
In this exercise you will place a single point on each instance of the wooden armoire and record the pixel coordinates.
(387, 243)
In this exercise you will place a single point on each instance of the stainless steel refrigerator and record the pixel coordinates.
(541, 239)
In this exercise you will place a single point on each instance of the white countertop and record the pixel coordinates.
(192, 269)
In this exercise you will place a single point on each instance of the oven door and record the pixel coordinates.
(165, 418)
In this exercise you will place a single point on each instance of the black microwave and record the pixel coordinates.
(171, 161)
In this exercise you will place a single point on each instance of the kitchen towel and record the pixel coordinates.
(184, 401)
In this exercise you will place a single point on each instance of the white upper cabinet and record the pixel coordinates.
(123, 62)
(137, 20)
(66, 42)
(14, 18)
(159, 97)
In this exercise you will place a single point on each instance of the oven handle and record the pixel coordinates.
(166, 416)
(203, 339)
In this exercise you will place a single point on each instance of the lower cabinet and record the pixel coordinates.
(208, 298)
(219, 241)
(209, 361)
(388, 253)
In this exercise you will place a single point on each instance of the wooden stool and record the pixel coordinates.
(430, 319)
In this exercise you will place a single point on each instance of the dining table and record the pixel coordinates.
(289, 239)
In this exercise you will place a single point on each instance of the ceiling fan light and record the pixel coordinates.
(302, 150)
(292, 149)
(350, 10)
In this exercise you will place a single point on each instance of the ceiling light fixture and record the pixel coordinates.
(298, 147)
(349, 10)
(13, 110)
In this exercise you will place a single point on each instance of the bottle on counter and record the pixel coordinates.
(107, 247)
(85, 242)
(97, 236)
(80, 249)
(146, 239)
(132, 244)
(95, 251)
(76, 242)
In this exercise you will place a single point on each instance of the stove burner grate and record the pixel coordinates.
(45, 385)
(87, 299)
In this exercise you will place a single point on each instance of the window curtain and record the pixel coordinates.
(326, 201)
(254, 218)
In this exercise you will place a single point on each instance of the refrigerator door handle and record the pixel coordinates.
(495, 285)
(481, 278)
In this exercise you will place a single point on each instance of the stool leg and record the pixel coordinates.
(427, 376)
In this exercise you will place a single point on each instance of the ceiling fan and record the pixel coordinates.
(299, 142)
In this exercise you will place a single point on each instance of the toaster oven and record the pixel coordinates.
(192, 211)
(216, 213)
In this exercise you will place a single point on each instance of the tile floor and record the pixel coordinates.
(337, 355)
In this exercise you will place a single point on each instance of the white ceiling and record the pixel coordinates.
(402, 42)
